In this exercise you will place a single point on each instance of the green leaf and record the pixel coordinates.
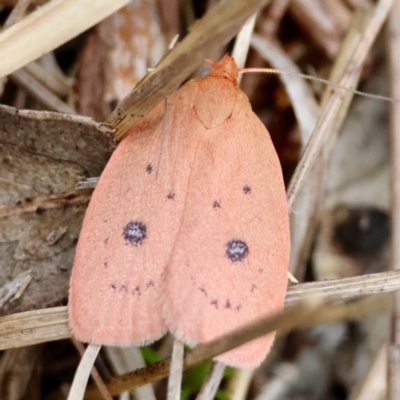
(150, 356)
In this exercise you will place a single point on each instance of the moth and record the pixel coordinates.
(187, 230)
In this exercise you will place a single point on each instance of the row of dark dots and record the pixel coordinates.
(216, 204)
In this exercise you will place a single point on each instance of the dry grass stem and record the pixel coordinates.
(242, 43)
(324, 27)
(327, 118)
(40, 92)
(34, 327)
(272, 21)
(17, 13)
(94, 373)
(49, 27)
(343, 59)
(81, 377)
(175, 371)
(49, 324)
(346, 288)
(52, 82)
(211, 384)
(239, 383)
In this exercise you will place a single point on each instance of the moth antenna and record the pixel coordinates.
(316, 79)
(163, 135)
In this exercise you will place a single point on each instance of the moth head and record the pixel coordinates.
(226, 68)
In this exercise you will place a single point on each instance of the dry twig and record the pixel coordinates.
(39, 326)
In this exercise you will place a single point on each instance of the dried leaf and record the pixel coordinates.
(43, 156)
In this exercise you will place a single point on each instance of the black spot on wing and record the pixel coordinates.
(170, 195)
(134, 233)
(149, 169)
(123, 288)
(136, 291)
(214, 302)
(149, 284)
(236, 250)
(216, 204)
(246, 189)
